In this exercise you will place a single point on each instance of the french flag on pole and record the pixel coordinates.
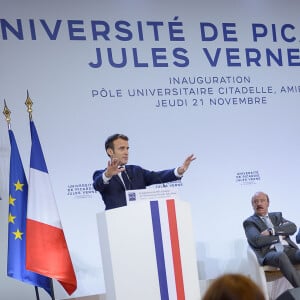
(46, 247)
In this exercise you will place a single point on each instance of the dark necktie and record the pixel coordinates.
(126, 180)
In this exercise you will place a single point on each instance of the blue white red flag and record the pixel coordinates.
(47, 251)
(18, 192)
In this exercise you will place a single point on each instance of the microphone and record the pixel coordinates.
(126, 180)
(129, 179)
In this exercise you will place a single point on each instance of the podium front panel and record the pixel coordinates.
(148, 252)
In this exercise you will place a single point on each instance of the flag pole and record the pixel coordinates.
(37, 292)
(7, 114)
(29, 104)
(52, 289)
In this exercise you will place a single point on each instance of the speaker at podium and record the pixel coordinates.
(291, 294)
(148, 250)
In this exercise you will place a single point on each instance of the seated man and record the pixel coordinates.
(268, 234)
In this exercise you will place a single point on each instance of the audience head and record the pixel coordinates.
(233, 287)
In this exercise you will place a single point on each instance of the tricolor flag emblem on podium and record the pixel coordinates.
(167, 250)
(148, 251)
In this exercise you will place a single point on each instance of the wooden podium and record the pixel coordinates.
(148, 251)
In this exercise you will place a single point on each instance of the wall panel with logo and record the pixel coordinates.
(217, 79)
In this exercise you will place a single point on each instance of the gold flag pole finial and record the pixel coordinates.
(29, 104)
(6, 113)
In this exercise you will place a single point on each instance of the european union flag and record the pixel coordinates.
(17, 213)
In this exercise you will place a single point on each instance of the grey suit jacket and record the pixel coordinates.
(253, 227)
(298, 237)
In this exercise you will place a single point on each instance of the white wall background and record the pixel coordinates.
(228, 140)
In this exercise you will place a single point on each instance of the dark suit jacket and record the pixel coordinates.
(298, 237)
(253, 226)
(113, 193)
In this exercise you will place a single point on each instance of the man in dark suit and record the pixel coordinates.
(271, 240)
(118, 177)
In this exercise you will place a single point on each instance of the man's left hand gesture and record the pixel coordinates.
(186, 164)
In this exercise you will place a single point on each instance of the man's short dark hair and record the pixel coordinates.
(109, 143)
